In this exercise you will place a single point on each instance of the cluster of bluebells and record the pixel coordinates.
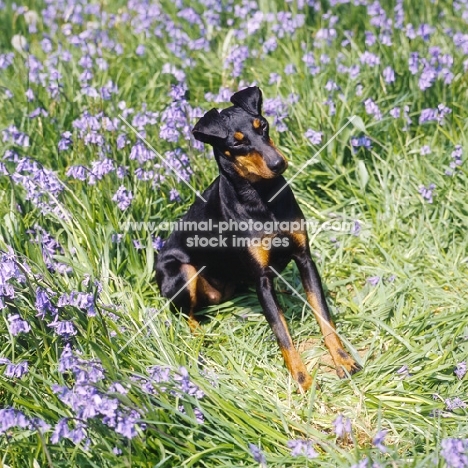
(257, 454)
(14, 371)
(455, 452)
(456, 161)
(12, 418)
(427, 192)
(89, 399)
(12, 272)
(361, 142)
(342, 426)
(178, 384)
(460, 370)
(302, 448)
(41, 185)
(50, 248)
(56, 315)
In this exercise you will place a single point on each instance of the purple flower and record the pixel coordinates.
(10, 418)
(302, 448)
(50, 248)
(158, 243)
(455, 452)
(65, 142)
(395, 112)
(388, 74)
(364, 463)
(356, 229)
(6, 60)
(370, 59)
(17, 325)
(372, 109)
(460, 370)
(357, 142)
(14, 371)
(270, 45)
(278, 109)
(342, 426)
(427, 78)
(427, 193)
(29, 94)
(454, 403)
(140, 50)
(275, 78)
(257, 454)
(63, 328)
(426, 149)
(43, 304)
(403, 372)
(373, 280)
(14, 136)
(456, 160)
(77, 172)
(174, 195)
(127, 424)
(413, 63)
(123, 198)
(289, 69)
(314, 137)
(378, 441)
(237, 56)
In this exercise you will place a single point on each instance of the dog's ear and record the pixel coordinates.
(210, 128)
(249, 99)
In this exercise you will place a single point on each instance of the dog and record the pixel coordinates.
(205, 265)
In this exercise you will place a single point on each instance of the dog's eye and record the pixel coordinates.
(263, 128)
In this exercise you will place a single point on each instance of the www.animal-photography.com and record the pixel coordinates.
(233, 233)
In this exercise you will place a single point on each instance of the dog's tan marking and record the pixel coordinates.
(261, 255)
(252, 167)
(299, 238)
(293, 360)
(256, 124)
(239, 136)
(343, 361)
(190, 271)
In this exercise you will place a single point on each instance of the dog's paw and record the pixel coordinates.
(345, 364)
(304, 380)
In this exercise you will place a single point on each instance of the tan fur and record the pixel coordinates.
(252, 167)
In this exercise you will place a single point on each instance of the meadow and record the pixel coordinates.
(95, 370)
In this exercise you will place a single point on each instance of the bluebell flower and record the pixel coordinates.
(313, 136)
(455, 452)
(123, 198)
(14, 371)
(303, 448)
(342, 426)
(378, 441)
(257, 454)
(427, 192)
(460, 370)
(373, 280)
(17, 325)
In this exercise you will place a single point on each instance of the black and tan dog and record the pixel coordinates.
(228, 240)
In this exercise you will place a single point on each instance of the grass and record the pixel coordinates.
(416, 316)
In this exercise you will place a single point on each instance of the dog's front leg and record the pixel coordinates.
(316, 298)
(275, 318)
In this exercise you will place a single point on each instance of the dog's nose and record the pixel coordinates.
(278, 165)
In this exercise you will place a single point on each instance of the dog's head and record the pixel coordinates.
(240, 134)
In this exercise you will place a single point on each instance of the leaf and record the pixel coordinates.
(362, 173)
(358, 123)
